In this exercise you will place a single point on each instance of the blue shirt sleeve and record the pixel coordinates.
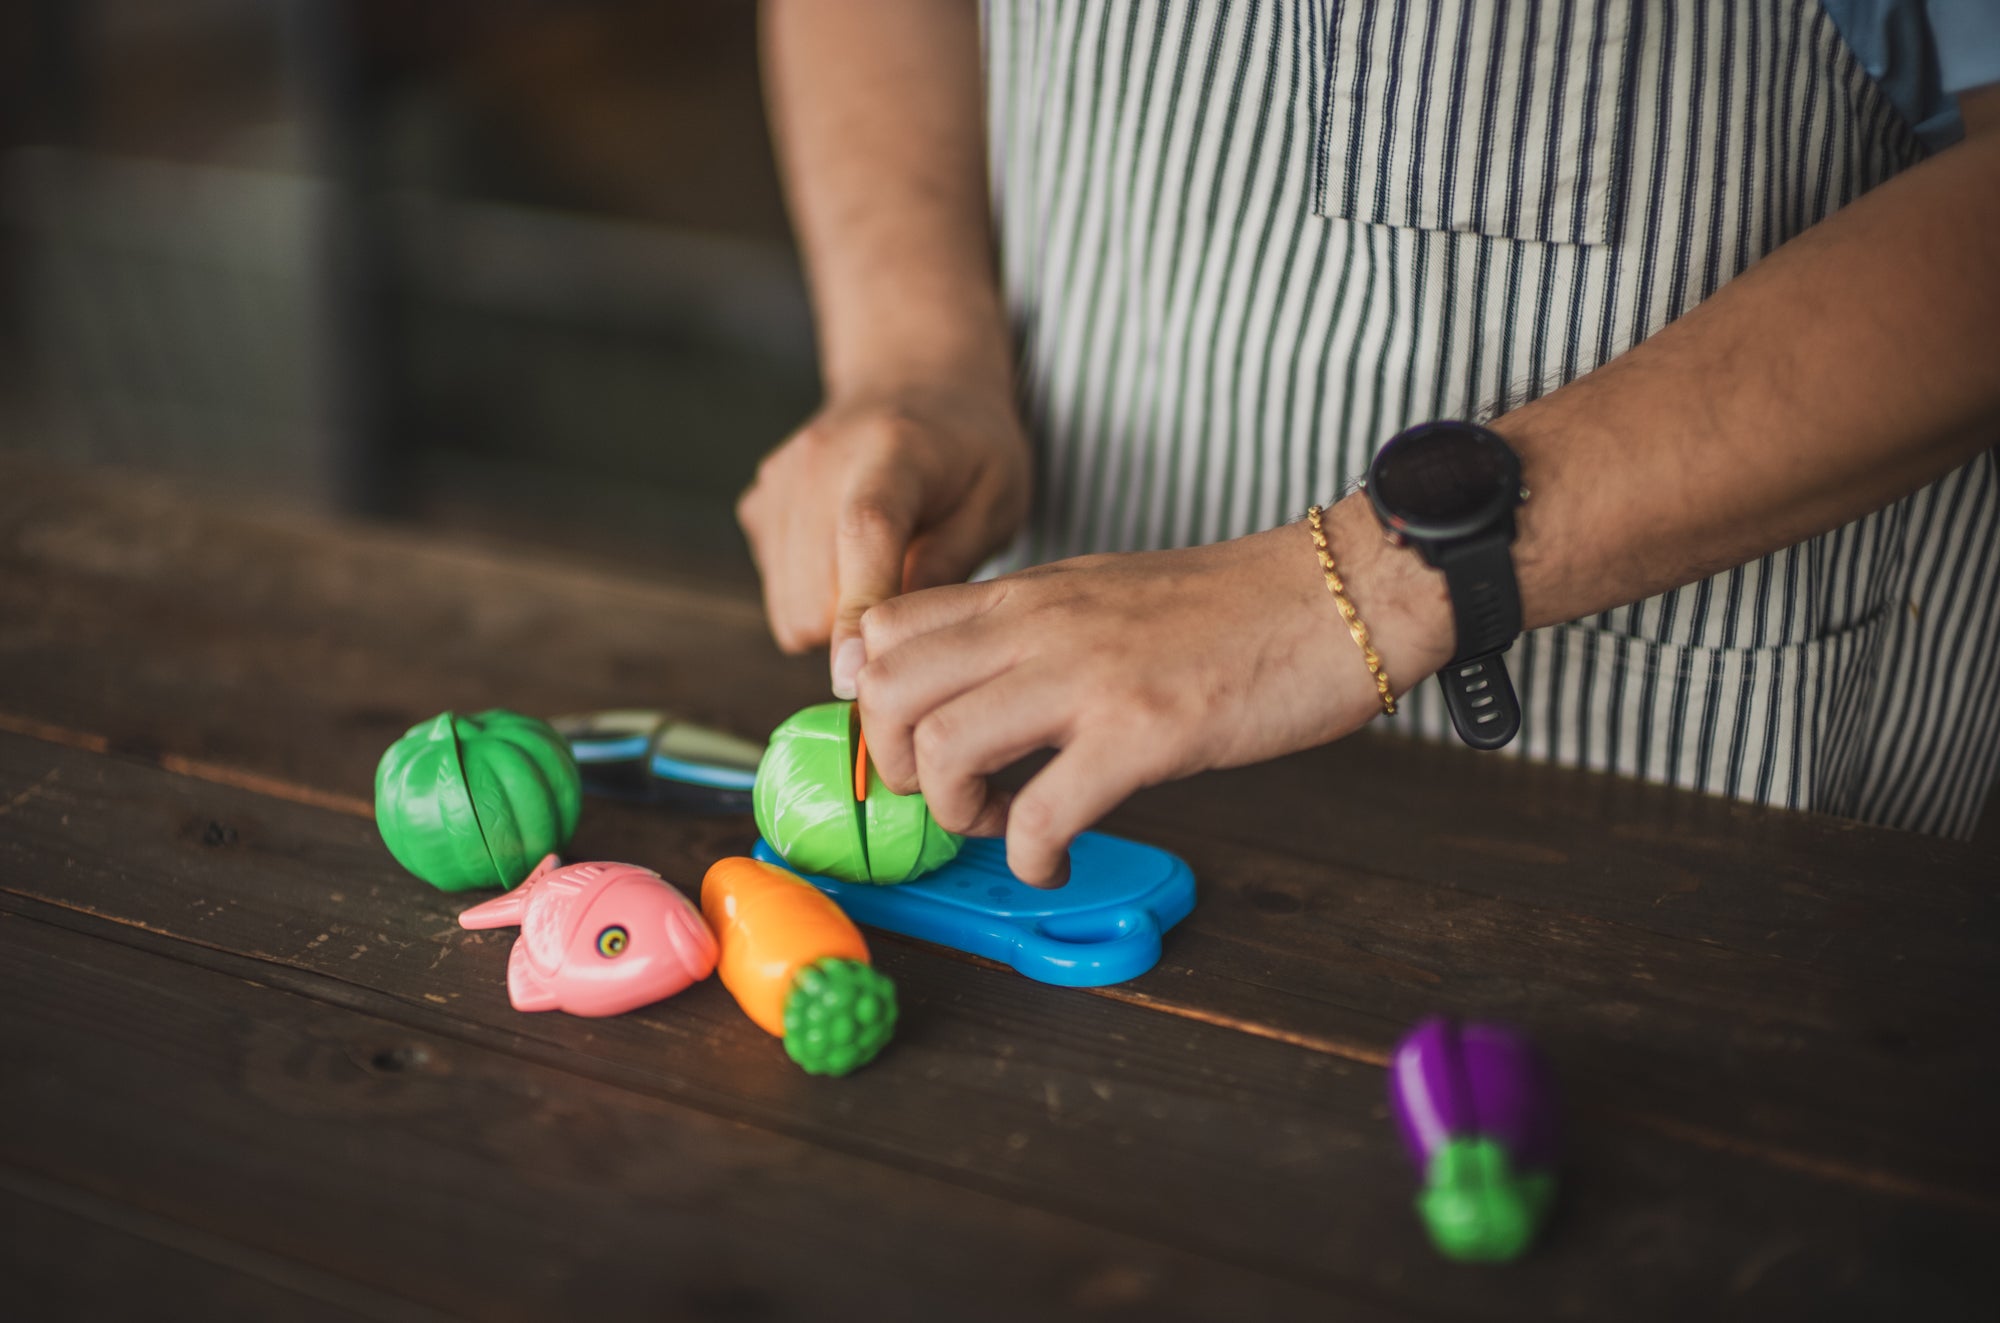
(1923, 53)
(1967, 33)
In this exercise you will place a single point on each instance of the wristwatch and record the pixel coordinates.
(1449, 489)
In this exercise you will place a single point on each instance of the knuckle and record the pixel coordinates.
(795, 626)
(1031, 819)
(817, 434)
(1153, 706)
(878, 625)
(934, 740)
(1150, 725)
(874, 686)
(893, 426)
(867, 519)
(808, 631)
(955, 809)
(1050, 610)
(880, 696)
(1067, 597)
(955, 817)
(771, 468)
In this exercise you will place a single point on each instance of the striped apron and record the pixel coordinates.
(1245, 241)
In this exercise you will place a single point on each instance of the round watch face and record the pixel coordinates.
(1444, 479)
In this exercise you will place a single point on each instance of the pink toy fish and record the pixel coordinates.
(597, 939)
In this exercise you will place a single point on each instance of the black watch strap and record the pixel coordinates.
(1485, 601)
(1486, 608)
(1479, 694)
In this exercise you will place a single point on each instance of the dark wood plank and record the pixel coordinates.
(1777, 983)
(1782, 1061)
(66, 1257)
(1800, 888)
(431, 1170)
(1242, 1149)
(242, 615)
(1816, 1069)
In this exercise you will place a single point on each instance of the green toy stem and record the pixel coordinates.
(839, 1015)
(1478, 1209)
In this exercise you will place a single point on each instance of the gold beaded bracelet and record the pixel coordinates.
(1314, 520)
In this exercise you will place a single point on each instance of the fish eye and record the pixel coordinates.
(612, 941)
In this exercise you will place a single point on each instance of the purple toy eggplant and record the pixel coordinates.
(1474, 1104)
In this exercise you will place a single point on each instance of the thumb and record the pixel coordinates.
(870, 538)
(950, 550)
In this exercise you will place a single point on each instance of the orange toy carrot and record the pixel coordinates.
(797, 966)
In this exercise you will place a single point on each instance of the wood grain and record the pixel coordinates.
(1770, 982)
(1775, 1030)
(68, 1257)
(1249, 1152)
(424, 1169)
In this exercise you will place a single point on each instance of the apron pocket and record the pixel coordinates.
(1505, 120)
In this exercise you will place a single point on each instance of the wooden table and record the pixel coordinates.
(248, 1067)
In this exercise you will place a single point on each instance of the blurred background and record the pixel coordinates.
(515, 268)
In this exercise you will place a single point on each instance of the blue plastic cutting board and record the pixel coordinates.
(1103, 927)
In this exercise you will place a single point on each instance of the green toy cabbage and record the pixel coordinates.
(805, 805)
(468, 802)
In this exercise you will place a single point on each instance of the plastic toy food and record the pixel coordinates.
(1474, 1104)
(797, 966)
(467, 802)
(823, 808)
(597, 939)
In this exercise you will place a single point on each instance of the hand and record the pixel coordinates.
(1137, 669)
(877, 495)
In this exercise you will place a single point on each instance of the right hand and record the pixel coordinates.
(880, 494)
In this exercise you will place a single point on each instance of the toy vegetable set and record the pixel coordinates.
(491, 800)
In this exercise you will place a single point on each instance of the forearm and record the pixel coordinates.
(1852, 366)
(877, 113)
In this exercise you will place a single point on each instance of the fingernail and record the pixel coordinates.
(847, 659)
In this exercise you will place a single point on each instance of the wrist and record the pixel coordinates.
(934, 343)
(924, 382)
(941, 399)
(921, 387)
(1403, 600)
(1560, 559)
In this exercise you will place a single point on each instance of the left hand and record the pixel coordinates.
(1138, 669)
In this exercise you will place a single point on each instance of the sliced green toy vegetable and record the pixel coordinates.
(807, 810)
(468, 802)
